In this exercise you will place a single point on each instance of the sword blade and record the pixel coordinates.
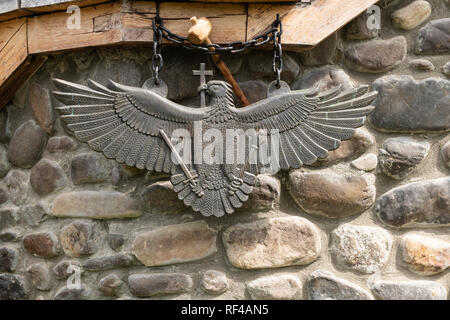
(177, 156)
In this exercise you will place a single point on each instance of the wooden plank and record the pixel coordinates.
(49, 32)
(39, 6)
(305, 25)
(13, 47)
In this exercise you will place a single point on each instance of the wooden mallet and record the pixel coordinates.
(199, 34)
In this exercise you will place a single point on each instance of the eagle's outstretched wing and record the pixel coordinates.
(309, 124)
(124, 122)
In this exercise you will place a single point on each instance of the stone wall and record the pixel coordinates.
(371, 221)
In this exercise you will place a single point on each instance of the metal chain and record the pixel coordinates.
(277, 62)
(157, 59)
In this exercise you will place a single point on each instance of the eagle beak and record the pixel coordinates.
(203, 88)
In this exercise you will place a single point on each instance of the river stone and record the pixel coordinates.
(254, 90)
(260, 66)
(147, 285)
(408, 290)
(276, 287)
(446, 69)
(109, 285)
(323, 78)
(115, 241)
(321, 54)
(4, 193)
(4, 163)
(214, 282)
(175, 244)
(425, 255)
(39, 276)
(33, 215)
(360, 248)
(66, 268)
(8, 217)
(406, 105)
(357, 29)
(95, 205)
(367, 162)
(159, 197)
(412, 15)
(89, 168)
(419, 204)
(434, 37)
(12, 287)
(324, 285)
(400, 155)
(4, 129)
(39, 100)
(421, 65)
(61, 144)
(9, 258)
(376, 56)
(78, 239)
(265, 195)
(117, 261)
(328, 194)
(272, 243)
(361, 141)
(17, 182)
(26, 145)
(42, 244)
(65, 293)
(445, 153)
(47, 176)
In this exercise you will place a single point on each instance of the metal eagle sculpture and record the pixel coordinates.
(134, 126)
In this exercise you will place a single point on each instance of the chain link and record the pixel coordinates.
(273, 34)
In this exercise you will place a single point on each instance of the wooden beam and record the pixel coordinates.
(305, 25)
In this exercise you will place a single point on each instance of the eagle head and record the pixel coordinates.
(218, 89)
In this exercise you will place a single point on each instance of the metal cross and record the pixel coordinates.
(202, 73)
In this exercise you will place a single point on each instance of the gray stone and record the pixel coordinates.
(367, 162)
(323, 78)
(376, 56)
(434, 37)
(406, 105)
(109, 285)
(39, 276)
(419, 204)
(8, 217)
(401, 155)
(147, 285)
(421, 65)
(260, 66)
(265, 194)
(445, 153)
(89, 168)
(321, 54)
(47, 176)
(33, 215)
(272, 243)
(39, 100)
(78, 239)
(175, 244)
(4, 129)
(425, 255)
(412, 15)
(66, 293)
(42, 244)
(108, 262)
(159, 197)
(116, 241)
(9, 236)
(276, 287)
(9, 258)
(61, 144)
(357, 145)
(408, 290)
(446, 69)
(12, 287)
(4, 163)
(254, 90)
(324, 285)
(360, 248)
(95, 205)
(17, 182)
(357, 29)
(214, 282)
(332, 195)
(65, 268)
(26, 145)
(4, 193)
